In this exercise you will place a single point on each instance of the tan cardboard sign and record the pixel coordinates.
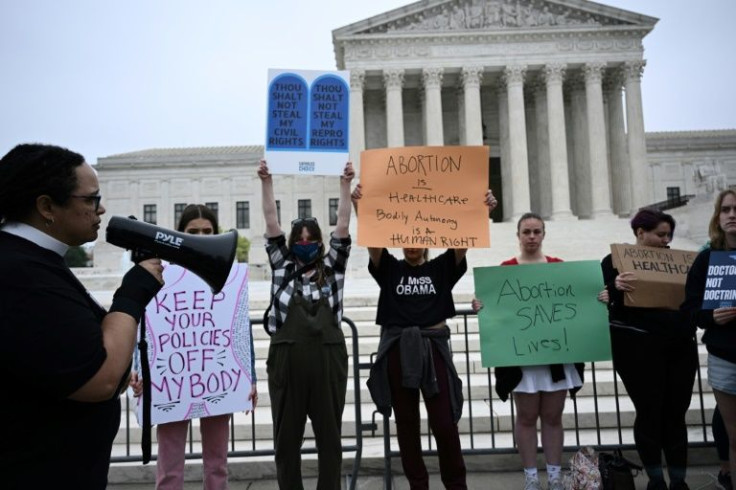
(660, 273)
(424, 197)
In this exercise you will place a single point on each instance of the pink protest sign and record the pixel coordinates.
(199, 347)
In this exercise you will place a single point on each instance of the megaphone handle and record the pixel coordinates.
(138, 255)
(146, 370)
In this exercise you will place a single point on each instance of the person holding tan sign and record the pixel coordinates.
(539, 391)
(414, 355)
(655, 354)
(719, 324)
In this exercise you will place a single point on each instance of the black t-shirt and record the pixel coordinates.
(416, 295)
(52, 345)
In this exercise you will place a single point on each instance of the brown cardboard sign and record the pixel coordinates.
(660, 273)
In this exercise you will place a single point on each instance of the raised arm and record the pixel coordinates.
(273, 229)
(343, 207)
(491, 202)
(373, 253)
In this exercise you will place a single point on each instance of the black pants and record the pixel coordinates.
(658, 374)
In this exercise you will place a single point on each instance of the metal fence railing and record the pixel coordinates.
(600, 416)
(352, 443)
(607, 432)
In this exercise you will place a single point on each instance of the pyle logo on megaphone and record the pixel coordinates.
(170, 240)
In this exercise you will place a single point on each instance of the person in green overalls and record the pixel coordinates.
(307, 360)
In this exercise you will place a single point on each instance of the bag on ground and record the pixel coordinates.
(584, 472)
(617, 473)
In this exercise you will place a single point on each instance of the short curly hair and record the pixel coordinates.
(32, 170)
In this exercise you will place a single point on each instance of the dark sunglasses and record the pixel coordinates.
(301, 221)
(91, 199)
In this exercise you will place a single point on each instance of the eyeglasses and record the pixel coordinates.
(300, 221)
(91, 199)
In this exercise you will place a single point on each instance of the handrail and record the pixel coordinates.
(191, 454)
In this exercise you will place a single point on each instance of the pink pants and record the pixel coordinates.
(172, 438)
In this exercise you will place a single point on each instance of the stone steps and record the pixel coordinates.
(491, 419)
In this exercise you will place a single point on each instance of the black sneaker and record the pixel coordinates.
(724, 481)
(680, 485)
(657, 485)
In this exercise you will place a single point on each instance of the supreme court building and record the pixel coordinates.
(552, 87)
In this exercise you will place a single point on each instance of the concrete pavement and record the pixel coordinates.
(699, 478)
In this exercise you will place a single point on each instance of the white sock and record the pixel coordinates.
(553, 471)
(531, 473)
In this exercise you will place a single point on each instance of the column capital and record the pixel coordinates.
(357, 79)
(393, 78)
(471, 76)
(554, 72)
(594, 71)
(514, 74)
(614, 79)
(634, 69)
(432, 77)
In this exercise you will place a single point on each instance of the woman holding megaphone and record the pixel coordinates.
(64, 358)
(307, 359)
(196, 219)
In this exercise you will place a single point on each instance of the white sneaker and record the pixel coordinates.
(532, 484)
(556, 484)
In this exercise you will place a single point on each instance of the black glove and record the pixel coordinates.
(137, 289)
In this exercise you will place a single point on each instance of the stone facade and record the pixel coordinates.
(552, 87)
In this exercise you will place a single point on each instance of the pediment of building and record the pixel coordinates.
(454, 16)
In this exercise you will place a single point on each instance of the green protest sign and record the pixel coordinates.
(542, 314)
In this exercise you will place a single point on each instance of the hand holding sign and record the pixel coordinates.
(625, 281)
(541, 314)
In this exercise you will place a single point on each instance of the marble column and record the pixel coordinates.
(393, 79)
(471, 77)
(503, 141)
(432, 78)
(544, 175)
(640, 195)
(620, 170)
(460, 93)
(518, 160)
(357, 119)
(597, 152)
(557, 140)
(581, 169)
(530, 116)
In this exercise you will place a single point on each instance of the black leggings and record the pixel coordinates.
(658, 374)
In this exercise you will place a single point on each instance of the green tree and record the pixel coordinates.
(241, 254)
(76, 257)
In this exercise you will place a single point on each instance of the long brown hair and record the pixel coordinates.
(717, 236)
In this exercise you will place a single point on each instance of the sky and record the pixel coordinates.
(104, 77)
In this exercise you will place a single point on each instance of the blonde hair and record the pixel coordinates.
(715, 232)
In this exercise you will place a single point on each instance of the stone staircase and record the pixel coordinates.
(487, 422)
